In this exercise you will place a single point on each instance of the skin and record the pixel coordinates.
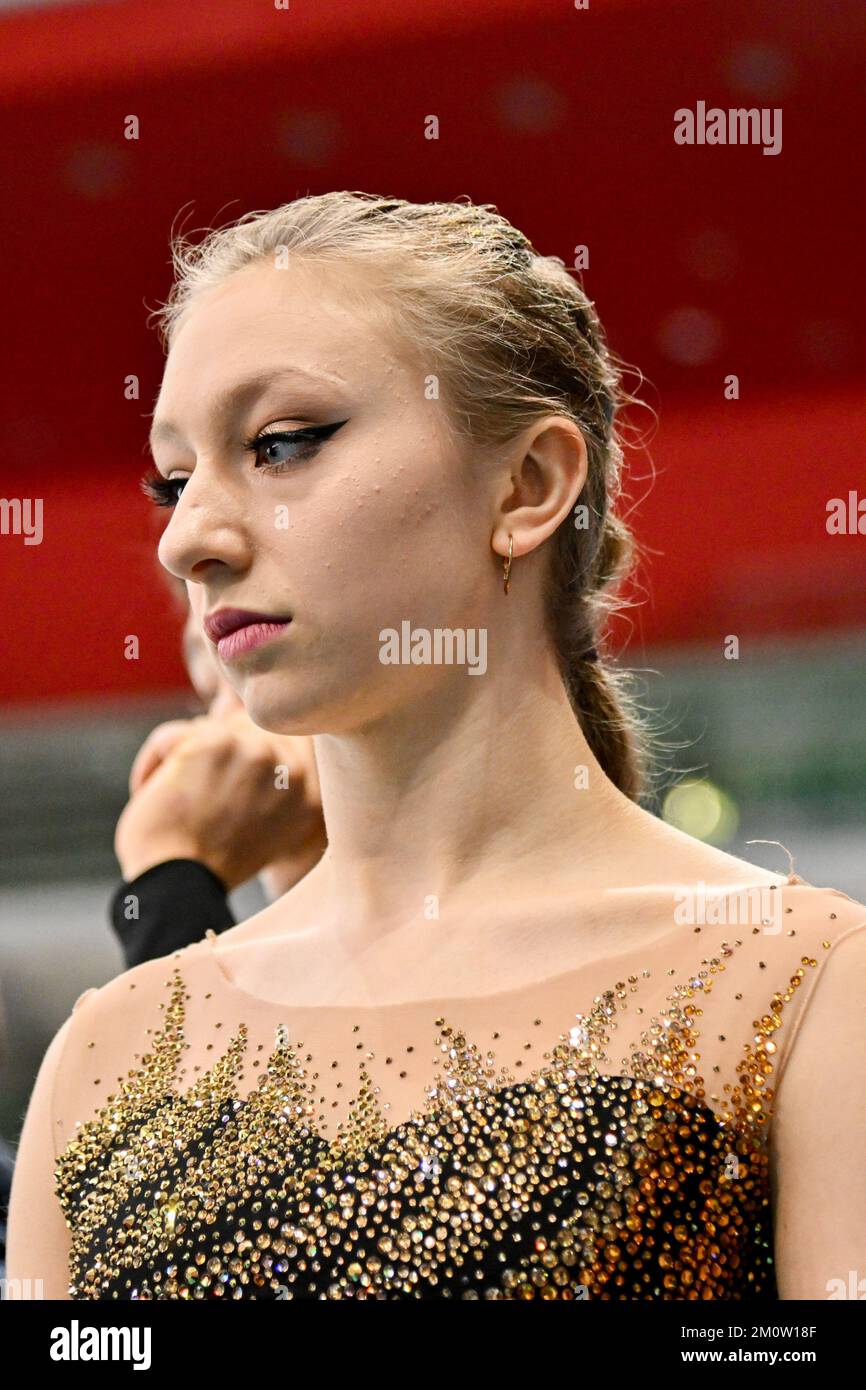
(427, 786)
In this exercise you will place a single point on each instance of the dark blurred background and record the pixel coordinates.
(704, 261)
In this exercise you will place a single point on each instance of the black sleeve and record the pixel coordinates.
(166, 908)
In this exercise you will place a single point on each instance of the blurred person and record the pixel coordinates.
(512, 1036)
(205, 815)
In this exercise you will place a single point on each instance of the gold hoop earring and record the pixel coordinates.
(507, 563)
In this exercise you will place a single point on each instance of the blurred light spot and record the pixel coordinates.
(760, 70)
(310, 137)
(827, 343)
(690, 337)
(95, 170)
(530, 105)
(703, 810)
(712, 255)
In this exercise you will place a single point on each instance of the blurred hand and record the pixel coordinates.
(204, 789)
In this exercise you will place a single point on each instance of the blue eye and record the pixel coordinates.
(167, 492)
(304, 442)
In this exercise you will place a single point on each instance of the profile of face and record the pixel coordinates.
(377, 520)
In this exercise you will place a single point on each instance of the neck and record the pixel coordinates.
(471, 787)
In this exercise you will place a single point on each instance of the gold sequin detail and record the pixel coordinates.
(572, 1181)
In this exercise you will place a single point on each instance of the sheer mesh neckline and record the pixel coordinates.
(633, 956)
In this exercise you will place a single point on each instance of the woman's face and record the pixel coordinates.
(380, 522)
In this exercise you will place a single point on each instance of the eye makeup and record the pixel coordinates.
(167, 492)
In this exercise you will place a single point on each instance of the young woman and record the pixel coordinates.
(512, 1036)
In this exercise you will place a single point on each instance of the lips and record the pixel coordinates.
(224, 621)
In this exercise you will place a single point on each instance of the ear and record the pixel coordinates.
(546, 475)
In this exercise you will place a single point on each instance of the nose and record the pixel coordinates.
(204, 529)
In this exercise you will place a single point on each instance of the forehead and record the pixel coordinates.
(323, 327)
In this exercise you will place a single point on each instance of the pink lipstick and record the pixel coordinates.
(237, 630)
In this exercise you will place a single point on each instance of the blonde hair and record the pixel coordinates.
(512, 336)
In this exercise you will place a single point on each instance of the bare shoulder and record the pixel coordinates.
(715, 866)
(663, 853)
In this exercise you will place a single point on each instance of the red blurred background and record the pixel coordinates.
(703, 261)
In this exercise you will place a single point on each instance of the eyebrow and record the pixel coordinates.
(241, 394)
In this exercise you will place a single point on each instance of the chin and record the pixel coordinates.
(278, 715)
(285, 703)
(280, 703)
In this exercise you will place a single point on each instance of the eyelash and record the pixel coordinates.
(162, 490)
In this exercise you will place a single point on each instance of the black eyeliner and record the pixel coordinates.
(309, 432)
(162, 490)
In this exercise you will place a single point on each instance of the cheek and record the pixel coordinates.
(386, 523)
